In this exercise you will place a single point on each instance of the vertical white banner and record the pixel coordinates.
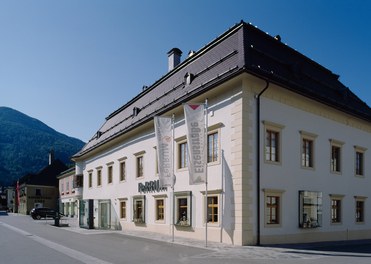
(196, 141)
(164, 136)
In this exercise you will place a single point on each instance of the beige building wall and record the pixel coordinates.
(296, 115)
(32, 196)
(233, 114)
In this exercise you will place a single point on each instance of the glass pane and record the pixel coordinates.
(310, 209)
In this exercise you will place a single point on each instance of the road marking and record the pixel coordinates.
(60, 248)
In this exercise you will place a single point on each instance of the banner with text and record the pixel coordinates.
(196, 141)
(164, 136)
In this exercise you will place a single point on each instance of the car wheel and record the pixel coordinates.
(38, 217)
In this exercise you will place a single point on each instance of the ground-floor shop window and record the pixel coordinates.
(183, 208)
(139, 209)
(310, 209)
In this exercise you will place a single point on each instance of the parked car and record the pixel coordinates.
(43, 212)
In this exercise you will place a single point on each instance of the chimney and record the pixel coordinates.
(51, 156)
(174, 58)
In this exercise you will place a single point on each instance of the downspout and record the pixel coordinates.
(258, 160)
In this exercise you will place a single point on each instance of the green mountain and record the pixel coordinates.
(25, 143)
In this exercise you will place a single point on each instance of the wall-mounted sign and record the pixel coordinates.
(150, 186)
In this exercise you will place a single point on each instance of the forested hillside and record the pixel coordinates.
(25, 143)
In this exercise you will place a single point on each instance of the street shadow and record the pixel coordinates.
(228, 221)
(342, 248)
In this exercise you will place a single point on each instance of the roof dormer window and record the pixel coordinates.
(188, 78)
(136, 111)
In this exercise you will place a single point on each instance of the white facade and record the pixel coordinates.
(142, 143)
(304, 179)
(296, 116)
(70, 193)
(293, 115)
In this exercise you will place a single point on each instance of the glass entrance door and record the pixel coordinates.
(104, 214)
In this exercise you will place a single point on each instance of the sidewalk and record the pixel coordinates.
(73, 225)
(220, 250)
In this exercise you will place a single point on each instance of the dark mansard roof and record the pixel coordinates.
(243, 48)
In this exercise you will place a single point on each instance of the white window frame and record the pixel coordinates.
(275, 193)
(99, 176)
(212, 193)
(214, 129)
(110, 165)
(310, 137)
(139, 155)
(334, 168)
(277, 128)
(126, 208)
(121, 162)
(340, 198)
(156, 198)
(362, 150)
(90, 179)
(363, 200)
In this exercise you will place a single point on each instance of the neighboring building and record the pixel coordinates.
(40, 189)
(288, 150)
(70, 192)
(10, 197)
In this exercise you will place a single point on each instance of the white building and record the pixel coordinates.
(312, 136)
(70, 192)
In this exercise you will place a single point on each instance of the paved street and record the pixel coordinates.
(24, 240)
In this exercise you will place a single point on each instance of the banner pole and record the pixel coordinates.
(206, 198)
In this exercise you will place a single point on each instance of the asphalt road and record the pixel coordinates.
(24, 240)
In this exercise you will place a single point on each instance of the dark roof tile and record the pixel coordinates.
(241, 48)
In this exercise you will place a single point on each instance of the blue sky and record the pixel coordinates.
(71, 63)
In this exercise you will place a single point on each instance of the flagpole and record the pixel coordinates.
(206, 208)
(172, 185)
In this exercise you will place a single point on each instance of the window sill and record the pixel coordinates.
(182, 224)
(139, 221)
(308, 168)
(209, 224)
(213, 163)
(272, 162)
(272, 225)
(309, 227)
